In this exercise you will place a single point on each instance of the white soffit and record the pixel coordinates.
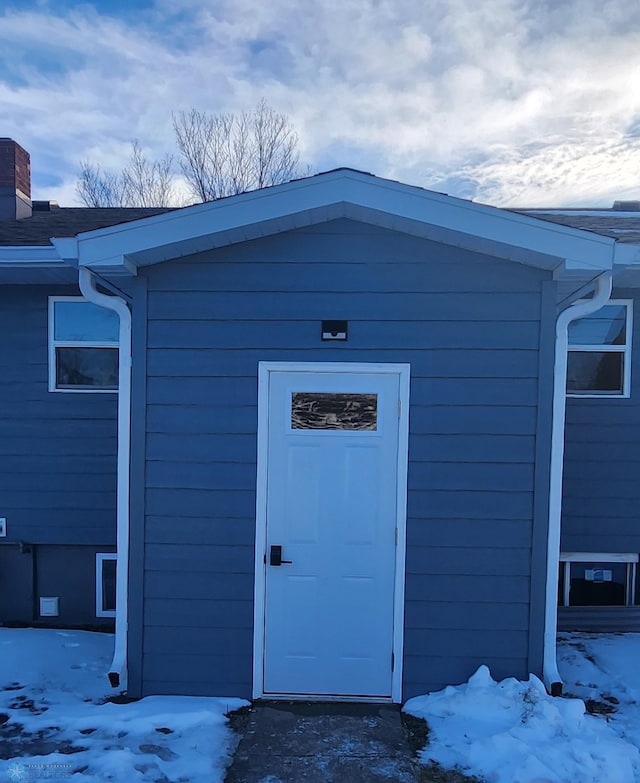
(350, 194)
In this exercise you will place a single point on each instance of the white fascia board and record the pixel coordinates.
(285, 206)
(120, 266)
(66, 248)
(242, 233)
(626, 269)
(626, 254)
(457, 238)
(490, 223)
(30, 255)
(579, 212)
(573, 267)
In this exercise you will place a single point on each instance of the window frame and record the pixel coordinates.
(53, 344)
(625, 350)
(101, 557)
(338, 429)
(630, 559)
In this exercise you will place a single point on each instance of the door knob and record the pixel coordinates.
(275, 556)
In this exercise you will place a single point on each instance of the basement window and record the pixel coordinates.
(599, 357)
(83, 346)
(106, 584)
(598, 579)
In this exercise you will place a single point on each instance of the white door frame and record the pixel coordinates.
(344, 368)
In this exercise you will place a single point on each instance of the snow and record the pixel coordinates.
(58, 724)
(53, 688)
(514, 732)
(603, 667)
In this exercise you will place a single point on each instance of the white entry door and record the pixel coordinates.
(331, 532)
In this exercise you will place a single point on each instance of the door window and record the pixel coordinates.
(333, 411)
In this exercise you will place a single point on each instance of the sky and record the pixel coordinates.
(507, 102)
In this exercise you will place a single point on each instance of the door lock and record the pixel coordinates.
(275, 556)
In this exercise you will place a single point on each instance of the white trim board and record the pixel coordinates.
(343, 193)
(598, 557)
(100, 559)
(53, 343)
(625, 350)
(264, 371)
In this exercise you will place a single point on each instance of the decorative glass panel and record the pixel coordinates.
(85, 322)
(594, 372)
(329, 411)
(86, 368)
(605, 327)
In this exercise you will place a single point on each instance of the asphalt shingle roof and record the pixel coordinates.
(625, 229)
(67, 222)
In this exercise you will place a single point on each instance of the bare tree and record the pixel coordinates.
(225, 154)
(140, 184)
(98, 188)
(148, 184)
(221, 155)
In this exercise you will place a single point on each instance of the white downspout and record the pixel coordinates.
(600, 297)
(118, 670)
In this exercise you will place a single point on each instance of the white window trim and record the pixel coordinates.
(630, 558)
(599, 557)
(624, 350)
(100, 558)
(53, 344)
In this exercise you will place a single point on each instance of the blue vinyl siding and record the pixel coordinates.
(470, 328)
(67, 572)
(57, 451)
(57, 472)
(601, 491)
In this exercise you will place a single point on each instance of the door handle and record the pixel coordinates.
(275, 556)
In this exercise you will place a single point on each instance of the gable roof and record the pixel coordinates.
(574, 245)
(342, 193)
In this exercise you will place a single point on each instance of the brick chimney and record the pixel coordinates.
(15, 181)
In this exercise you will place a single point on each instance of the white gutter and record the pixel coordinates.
(118, 670)
(600, 297)
(30, 255)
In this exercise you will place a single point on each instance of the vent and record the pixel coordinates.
(49, 606)
(44, 206)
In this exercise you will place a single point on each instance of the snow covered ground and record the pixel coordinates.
(513, 732)
(55, 723)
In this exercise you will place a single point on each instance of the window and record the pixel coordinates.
(599, 358)
(83, 346)
(327, 411)
(597, 579)
(106, 584)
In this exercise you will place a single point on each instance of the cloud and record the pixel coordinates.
(508, 101)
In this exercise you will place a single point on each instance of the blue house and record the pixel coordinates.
(309, 441)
